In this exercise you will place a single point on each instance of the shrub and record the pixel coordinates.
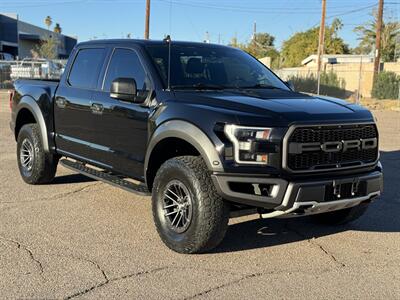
(331, 85)
(386, 86)
(304, 84)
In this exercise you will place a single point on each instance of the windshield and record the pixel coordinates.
(211, 67)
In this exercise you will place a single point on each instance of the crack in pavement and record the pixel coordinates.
(196, 268)
(89, 261)
(55, 197)
(202, 293)
(313, 241)
(248, 276)
(107, 280)
(27, 250)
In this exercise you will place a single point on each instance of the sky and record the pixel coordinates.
(191, 19)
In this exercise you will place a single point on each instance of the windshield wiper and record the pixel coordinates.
(259, 86)
(199, 86)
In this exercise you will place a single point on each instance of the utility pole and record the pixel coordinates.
(378, 39)
(147, 21)
(321, 44)
(254, 30)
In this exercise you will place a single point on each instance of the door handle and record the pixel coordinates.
(97, 108)
(61, 102)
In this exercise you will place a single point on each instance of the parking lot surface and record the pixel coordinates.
(78, 238)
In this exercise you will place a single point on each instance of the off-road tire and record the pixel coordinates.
(44, 165)
(342, 216)
(210, 213)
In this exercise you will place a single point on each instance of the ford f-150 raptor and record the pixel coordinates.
(206, 129)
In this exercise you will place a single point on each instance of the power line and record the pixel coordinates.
(352, 11)
(228, 6)
(42, 4)
(349, 12)
(270, 10)
(24, 3)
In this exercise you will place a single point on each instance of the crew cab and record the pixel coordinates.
(207, 130)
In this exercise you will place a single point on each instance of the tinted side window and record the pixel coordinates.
(125, 63)
(86, 68)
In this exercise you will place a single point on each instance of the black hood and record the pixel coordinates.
(262, 106)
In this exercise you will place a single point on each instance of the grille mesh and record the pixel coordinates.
(320, 160)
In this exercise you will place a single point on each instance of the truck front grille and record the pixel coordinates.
(327, 148)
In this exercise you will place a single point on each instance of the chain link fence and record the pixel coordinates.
(353, 82)
(30, 69)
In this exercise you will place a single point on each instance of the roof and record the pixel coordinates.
(333, 57)
(146, 42)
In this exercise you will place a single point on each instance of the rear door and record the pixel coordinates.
(121, 127)
(73, 115)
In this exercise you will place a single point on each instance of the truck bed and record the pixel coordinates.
(37, 81)
(27, 86)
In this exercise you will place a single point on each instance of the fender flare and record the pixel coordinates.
(191, 134)
(31, 105)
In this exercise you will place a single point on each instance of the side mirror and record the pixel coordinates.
(124, 89)
(290, 85)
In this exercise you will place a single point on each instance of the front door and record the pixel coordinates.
(73, 117)
(121, 127)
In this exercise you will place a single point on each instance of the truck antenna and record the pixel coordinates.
(168, 40)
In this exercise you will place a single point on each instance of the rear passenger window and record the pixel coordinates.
(125, 63)
(86, 68)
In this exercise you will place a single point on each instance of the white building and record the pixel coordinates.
(18, 38)
(312, 60)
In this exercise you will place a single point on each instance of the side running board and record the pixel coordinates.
(105, 177)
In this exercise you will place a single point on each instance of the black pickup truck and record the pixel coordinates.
(206, 129)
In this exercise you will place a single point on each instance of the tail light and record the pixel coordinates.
(11, 94)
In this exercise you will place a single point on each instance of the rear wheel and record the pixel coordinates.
(35, 165)
(189, 214)
(342, 216)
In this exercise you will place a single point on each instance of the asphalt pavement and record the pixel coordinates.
(79, 238)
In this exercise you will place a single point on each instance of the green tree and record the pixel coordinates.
(47, 48)
(261, 45)
(367, 36)
(303, 44)
(57, 28)
(48, 21)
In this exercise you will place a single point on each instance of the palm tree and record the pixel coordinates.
(57, 28)
(48, 21)
(367, 35)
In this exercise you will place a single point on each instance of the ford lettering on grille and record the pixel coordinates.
(334, 146)
(319, 148)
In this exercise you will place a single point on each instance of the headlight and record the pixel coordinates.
(249, 143)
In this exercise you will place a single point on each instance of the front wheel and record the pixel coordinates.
(189, 215)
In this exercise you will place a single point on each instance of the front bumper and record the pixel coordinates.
(302, 197)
